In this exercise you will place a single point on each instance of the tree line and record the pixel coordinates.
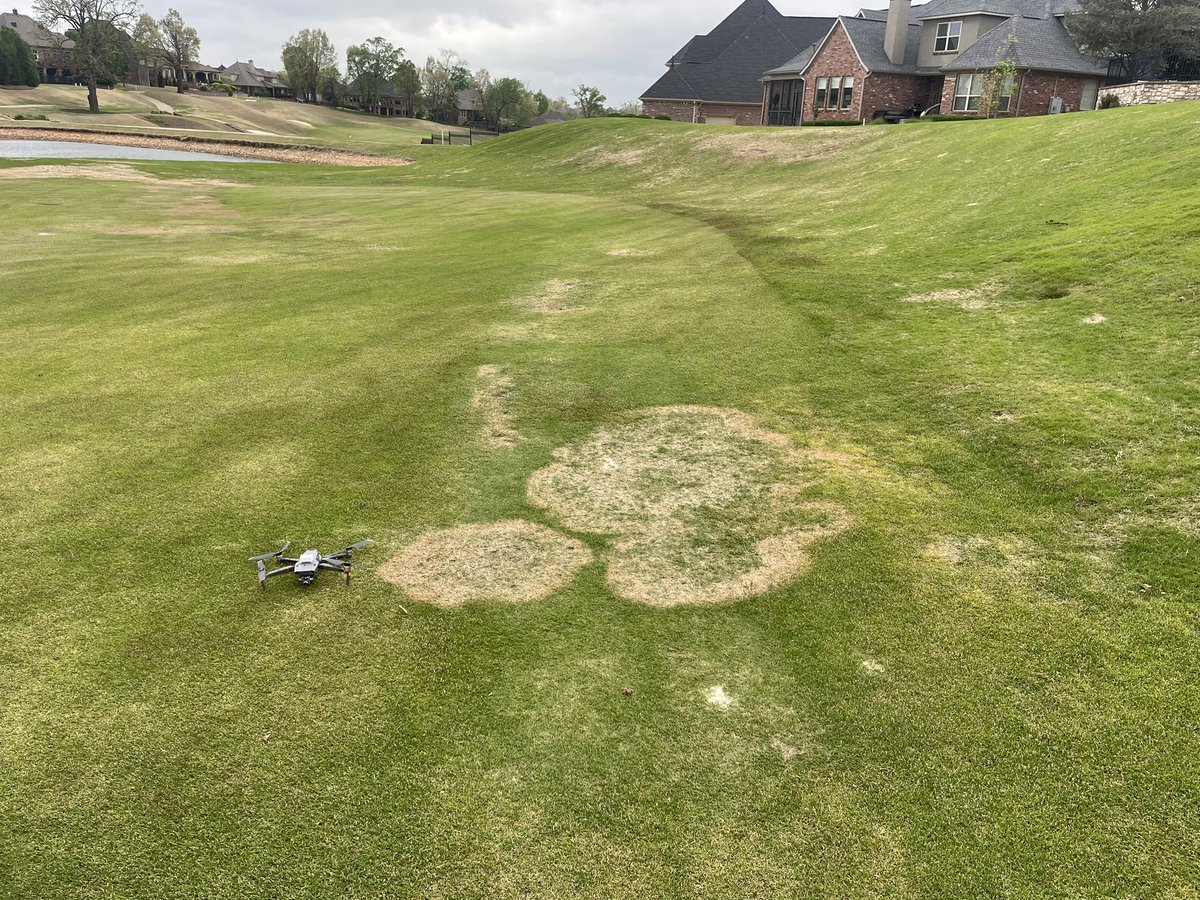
(110, 36)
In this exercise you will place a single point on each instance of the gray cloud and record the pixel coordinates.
(553, 45)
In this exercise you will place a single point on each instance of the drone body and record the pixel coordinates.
(306, 566)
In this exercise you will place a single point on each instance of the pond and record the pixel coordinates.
(83, 150)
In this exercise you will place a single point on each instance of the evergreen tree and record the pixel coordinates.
(18, 65)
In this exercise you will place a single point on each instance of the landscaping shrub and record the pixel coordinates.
(1110, 101)
(953, 118)
(663, 118)
(831, 123)
(21, 117)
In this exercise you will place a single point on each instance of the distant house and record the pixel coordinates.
(470, 107)
(936, 56)
(716, 77)
(387, 104)
(53, 51)
(549, 117)
(249, 79)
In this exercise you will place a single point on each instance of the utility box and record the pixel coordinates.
(1056, 105)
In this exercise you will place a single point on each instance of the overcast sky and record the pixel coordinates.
(552, 45)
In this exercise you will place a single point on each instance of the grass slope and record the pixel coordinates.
(988, 686)
(213, 115)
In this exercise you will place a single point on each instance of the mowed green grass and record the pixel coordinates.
(213, 115)
(987, 687)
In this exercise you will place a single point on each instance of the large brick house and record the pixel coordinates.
(936, 56)
(53, 50)
(717, 77)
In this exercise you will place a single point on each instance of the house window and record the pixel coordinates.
(1005, 97)
(835, 91)
(847, 92)
(822, 89)
(967, 90)
(947, 37)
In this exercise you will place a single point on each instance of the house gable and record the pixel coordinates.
(725, 66)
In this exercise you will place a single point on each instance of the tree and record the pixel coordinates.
(504, 101)
(1136, 28)
(330, 87)
(589, 100)
(458, 70)
(407, 85)
(308, 57)
(441, 96)
(370, 68)
(170, 41)
(18, 65)
(999, 83)
(630, 108)
(97, 27)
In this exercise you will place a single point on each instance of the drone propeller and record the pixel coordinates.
(358, 546)
(278, 553)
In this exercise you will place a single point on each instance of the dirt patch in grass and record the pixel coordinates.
(551, 298)
(1094, 319)
(509, 561)
(492, 390)
(624, 252)
(703, 504)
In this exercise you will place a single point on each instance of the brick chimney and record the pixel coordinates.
(895, 35)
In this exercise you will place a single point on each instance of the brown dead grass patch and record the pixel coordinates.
(105, 172)
(166, 230)
(595, 157)
(204, 206)
(626, 252)
(760, 146)
(1094, 319)
(492, 390)
(704, 504)
(551, 298)
(510, 561)
(246, 259)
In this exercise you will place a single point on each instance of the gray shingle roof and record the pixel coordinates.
(726, 64)
(32, 33)
(1040, 44)
(867, 37)
(1033, 9)
(880, 15)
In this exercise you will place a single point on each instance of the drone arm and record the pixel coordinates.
(276, 555)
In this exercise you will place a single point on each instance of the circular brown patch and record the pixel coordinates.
(512, 561)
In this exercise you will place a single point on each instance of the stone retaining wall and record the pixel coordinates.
(1144, 93)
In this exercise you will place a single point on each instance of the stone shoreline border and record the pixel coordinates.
(264, 150)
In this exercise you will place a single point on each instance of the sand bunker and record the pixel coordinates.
(510, 561)
(702, 504)
(492, 390)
